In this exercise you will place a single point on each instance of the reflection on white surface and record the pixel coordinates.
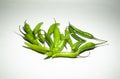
(99, 17)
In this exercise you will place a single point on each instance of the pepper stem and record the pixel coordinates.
(98, 39)
(86, 55)
(99, 44)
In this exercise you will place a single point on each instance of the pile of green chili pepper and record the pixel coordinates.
(56, 41)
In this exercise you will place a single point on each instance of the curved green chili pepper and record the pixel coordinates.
(67, 34)
(37, 48)
(76, 37)
(27, 28)
(83, 33)
(88, 46)
(37, 28)
(56, 36)
(49, 40)
(61, 45)
(41, 37)
(76, 45)
(65, 55)
(85, 47)
(31, 39)
(52, 28)
(62, 36)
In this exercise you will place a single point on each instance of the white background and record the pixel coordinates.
(99, 17)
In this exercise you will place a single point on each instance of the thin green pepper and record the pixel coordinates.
(83, 33)
(31, 39)
(37, 48)
(27, 28)
(49, 40)
(62, 36)
(85, 47)
(65, 55)
(88, 46)
(76, 45)
(67, 34)
(41, 37)
(52, 28)
(37, 28)
(61, 45)
(56, 36)
(76, 37)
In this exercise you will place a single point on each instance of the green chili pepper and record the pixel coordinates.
(49, 40)
(62, 36)
(27, 28)
(41, 37)
(67, 34)
(61, 45)
(83, 33)
(31, 39)
(76, 45)
(65, 55)
(37, 48)
(37, 28)
(52, 28)
(56, 36)
(88, 46)
(76, 37)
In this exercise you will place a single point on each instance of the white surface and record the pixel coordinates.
(99, 17)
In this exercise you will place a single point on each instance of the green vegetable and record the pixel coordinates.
(61, 45)
(37, 48)
(27, 28)
(67, 34)
(49, 40)
(76, 45)
(56, 36)
(37, 41)
(37, 28)
(52, 28)
(41, 37)
(88, 46)
(65, 55)
(83, 33)
(31, 39)
(75, 36)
